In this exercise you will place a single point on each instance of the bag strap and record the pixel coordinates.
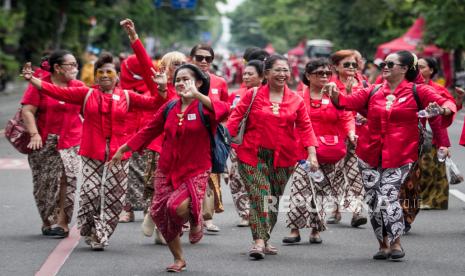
(417, 98)
(168, 107)
(85, 100)
(246, 115)
(206, 122)
(128, 99)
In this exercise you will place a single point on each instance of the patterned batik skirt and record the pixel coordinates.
(237, 186)
(49, 168)
(101, 198)
(351, 196)
(149, 173)
(383, 199)
(136, 179)
(309, 199)
(166, 200)
(434, 187)
(265, 185)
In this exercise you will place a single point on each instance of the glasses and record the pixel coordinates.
(389, 64)
(348, 64)
(200, 58)
(322, 73)
(72, 64)
(110, 73)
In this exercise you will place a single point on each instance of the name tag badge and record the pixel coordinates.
(401, 100)
(115, 97)
(191, 117)
(325, 101)
(61, 102)
(215, 91)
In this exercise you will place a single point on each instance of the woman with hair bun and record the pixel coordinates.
(55, 129)
(393, 141)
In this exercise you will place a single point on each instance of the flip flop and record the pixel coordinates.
(176, 268)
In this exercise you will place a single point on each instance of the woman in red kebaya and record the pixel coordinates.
(55, 128)
(181, 176)
(156, 82)
(202, 56)
(104, 107)
(252, 77)
(393, 142)
(332, 127)
(269, 151)
(349, 195)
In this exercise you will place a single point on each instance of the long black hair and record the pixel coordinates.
(198, 75)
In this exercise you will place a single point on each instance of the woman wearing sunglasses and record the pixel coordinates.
(159, 82)
(202, 56)
(349, 196)
(393, 142)
(104, 108)
(55, 128)
(332, 127)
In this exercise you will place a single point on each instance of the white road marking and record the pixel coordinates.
(458, 194)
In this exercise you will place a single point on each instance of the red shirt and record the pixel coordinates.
(393, 134)
(56, 117)
(218, 88)
(280, 133)
(186, 147)
(97, 118)
(239, 92)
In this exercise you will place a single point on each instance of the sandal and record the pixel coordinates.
(96, 246)
(125, 217)
(176, 268)
(197, 236)
(257, 252)
(270, 250)
(212, 228)
(335, 218)
(59, 232)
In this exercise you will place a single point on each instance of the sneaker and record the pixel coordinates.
(148, 226)
(243, 223)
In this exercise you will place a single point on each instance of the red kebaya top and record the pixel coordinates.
(280, 133)
(56, 117)
(218, 88)
(393, 134)
(186, 147)
(100, 111)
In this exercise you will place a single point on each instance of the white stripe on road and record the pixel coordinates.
(458, 194)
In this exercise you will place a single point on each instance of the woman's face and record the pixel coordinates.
(251, 77)
(279, 74)
(347, 67)
(68, 68)
(182, 77)
(393, 69)
(171, 68)
(202, 59)
(106, 76)
(319, 77)
(425, 70)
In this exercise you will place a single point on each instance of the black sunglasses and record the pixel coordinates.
(348, 64)
(389, 64)
(322, 73)
(200, 58)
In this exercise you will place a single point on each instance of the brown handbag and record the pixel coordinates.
(17, 134)
(237, 140)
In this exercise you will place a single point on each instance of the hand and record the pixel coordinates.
(160, 79)
(190, 92)
(353, 138)
(349, 84)
(314, 166)
(360, 120)
(434, 106)
(459, 91)
(36, 142)
(116, 158)
(27, 71)
(130, 29)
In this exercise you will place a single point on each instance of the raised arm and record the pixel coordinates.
(357, 101)
(429, 98)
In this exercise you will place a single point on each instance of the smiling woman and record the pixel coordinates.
(104, 108)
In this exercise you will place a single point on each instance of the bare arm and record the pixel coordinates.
(28, 114)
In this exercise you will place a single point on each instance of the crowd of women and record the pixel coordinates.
(343, 144)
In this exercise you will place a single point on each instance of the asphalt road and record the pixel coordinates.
(435, 245)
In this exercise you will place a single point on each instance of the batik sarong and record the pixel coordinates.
(382, 188)
(265, 185)
(351, 198)
(166, 200)
(309, 199)
(150, 168)
(434, 187)
(135, 194)
(49, 168)
(238, 190)
(101, 198)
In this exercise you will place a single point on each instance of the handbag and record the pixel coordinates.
(17, 134)
(237, 140)
(331, 149)
(454, 176)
